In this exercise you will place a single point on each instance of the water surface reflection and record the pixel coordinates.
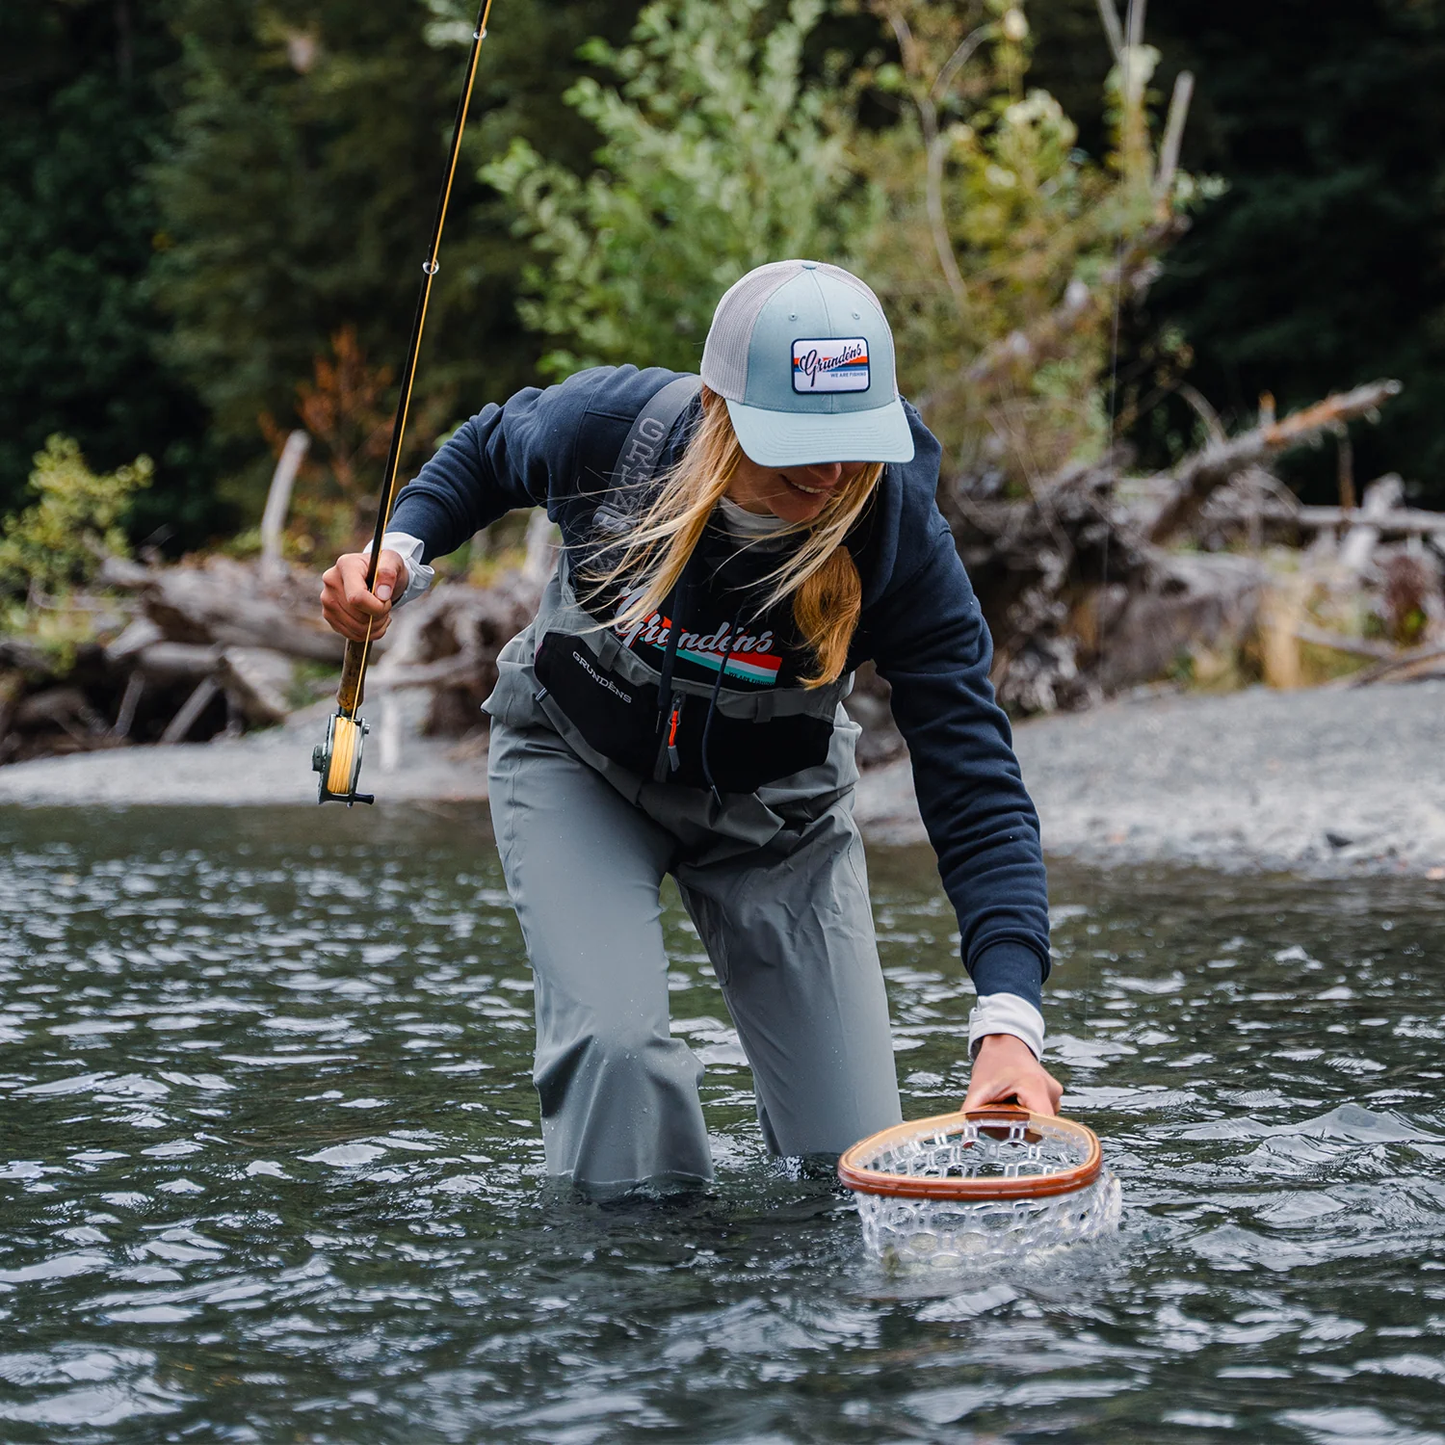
(270, 1168)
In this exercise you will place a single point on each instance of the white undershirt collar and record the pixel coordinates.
(743, 523)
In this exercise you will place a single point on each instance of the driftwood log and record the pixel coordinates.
(181, 654)
(229, 603)
(1080, 594)
(1203, 472)
(196, 650)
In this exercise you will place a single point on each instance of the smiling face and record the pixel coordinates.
(795, 494)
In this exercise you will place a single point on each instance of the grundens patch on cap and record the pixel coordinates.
(826, 364)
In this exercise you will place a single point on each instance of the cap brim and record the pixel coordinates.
(800, 439)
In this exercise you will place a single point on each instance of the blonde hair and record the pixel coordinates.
(820, 575)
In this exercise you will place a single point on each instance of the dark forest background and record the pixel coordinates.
(191, 210)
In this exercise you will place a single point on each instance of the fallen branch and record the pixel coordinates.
(1402, 522)
(1201, 473)
(130, 700)
(1351, 646)
(1423, 662)
(191, 711)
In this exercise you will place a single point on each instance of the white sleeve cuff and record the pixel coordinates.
(1005, 1013)
(419, 576)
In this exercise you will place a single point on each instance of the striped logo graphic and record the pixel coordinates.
(750, 666)
(837, 364)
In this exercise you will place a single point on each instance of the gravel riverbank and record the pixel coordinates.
(1327, 781)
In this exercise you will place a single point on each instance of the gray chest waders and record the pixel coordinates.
(772, 873)
(786, 923)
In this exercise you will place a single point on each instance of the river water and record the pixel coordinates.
(270, 1167)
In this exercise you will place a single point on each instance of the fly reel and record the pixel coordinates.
(338, 760)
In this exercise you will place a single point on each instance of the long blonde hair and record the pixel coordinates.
(820, 575)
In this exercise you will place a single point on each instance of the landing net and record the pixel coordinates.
(999, 1180)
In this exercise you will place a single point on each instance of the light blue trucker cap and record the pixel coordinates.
(803, 356)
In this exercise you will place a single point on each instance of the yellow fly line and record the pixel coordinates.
(345, 740)
(338, 760)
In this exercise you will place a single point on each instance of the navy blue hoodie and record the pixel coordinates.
(921, 624)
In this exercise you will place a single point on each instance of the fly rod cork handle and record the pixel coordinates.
(349, 690)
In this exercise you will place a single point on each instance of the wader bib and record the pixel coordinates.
(607, 773)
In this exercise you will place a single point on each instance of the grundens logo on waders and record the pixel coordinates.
(598, 678)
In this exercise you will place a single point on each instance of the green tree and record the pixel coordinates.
(300, 183)
(1324, 263)
(718, 154)
(80, 114)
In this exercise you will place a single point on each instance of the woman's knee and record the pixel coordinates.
(622, 1056)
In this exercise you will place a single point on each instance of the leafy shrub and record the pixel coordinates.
(718, 155)
(60, 540)
(1001, 251)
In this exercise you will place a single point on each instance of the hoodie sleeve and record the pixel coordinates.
(504, 457)
(932, 645)
(542, 448)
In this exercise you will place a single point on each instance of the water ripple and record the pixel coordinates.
(270, 1167)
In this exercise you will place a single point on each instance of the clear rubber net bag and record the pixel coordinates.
(999, 1180)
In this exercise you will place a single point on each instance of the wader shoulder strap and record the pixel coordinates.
(637, 461)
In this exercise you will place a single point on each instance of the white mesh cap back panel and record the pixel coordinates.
(725, 353)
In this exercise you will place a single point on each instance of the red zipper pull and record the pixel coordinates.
(672, 723)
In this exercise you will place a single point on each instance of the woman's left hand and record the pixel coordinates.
(1005, 1069)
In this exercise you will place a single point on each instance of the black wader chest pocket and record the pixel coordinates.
(620, 719)
(615, 715)
(742, 754)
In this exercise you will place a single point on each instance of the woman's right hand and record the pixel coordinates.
(346, 604)
(1004, 1069)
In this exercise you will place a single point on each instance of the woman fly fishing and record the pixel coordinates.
(734, 548)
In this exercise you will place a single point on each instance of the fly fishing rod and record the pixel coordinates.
(338, 759)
